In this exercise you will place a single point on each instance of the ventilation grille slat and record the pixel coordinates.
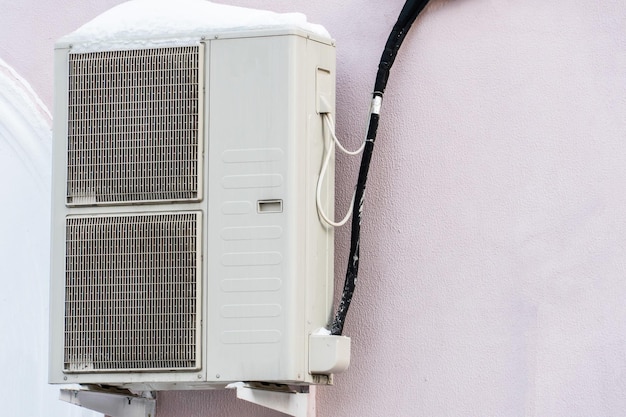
(133, 126)
(131, 299)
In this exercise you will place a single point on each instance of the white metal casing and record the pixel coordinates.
(265, 262)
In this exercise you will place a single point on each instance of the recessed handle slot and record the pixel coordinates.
(270, 206)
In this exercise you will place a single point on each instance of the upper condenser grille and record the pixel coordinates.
(134, 126)
(131, 292)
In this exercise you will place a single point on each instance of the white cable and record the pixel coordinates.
(331, 127)
(320, 180)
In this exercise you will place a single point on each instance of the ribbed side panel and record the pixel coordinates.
(131, 299)
(133, 126)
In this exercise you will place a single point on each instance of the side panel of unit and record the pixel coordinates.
(318, 265)
(265, 149)
(57, 256)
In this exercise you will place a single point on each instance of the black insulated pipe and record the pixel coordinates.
(410, 11)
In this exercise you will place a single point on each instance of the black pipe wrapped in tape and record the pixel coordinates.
(410, 11)
(353, 260)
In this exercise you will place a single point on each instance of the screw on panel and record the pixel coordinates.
(199, 376)
(217, 376)
(64, 378)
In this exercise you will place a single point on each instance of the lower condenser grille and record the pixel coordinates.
(131, 292)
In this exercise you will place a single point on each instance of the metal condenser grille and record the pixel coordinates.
(133, 126)
(131, 292)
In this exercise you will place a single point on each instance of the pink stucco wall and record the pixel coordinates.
(493, 274)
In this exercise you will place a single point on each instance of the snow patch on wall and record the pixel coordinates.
(25, 150)
(130, 24)
(25, 124)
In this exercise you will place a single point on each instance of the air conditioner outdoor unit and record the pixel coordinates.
(187, 249)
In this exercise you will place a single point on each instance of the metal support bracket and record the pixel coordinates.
(299, 402)
(113, 404)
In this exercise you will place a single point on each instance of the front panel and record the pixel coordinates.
(128, 219)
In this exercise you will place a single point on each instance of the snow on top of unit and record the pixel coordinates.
(140, 22)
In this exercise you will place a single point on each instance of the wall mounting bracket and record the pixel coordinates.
(111, 403)
(294, 401)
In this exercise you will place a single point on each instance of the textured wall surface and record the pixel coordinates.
(493, 272)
